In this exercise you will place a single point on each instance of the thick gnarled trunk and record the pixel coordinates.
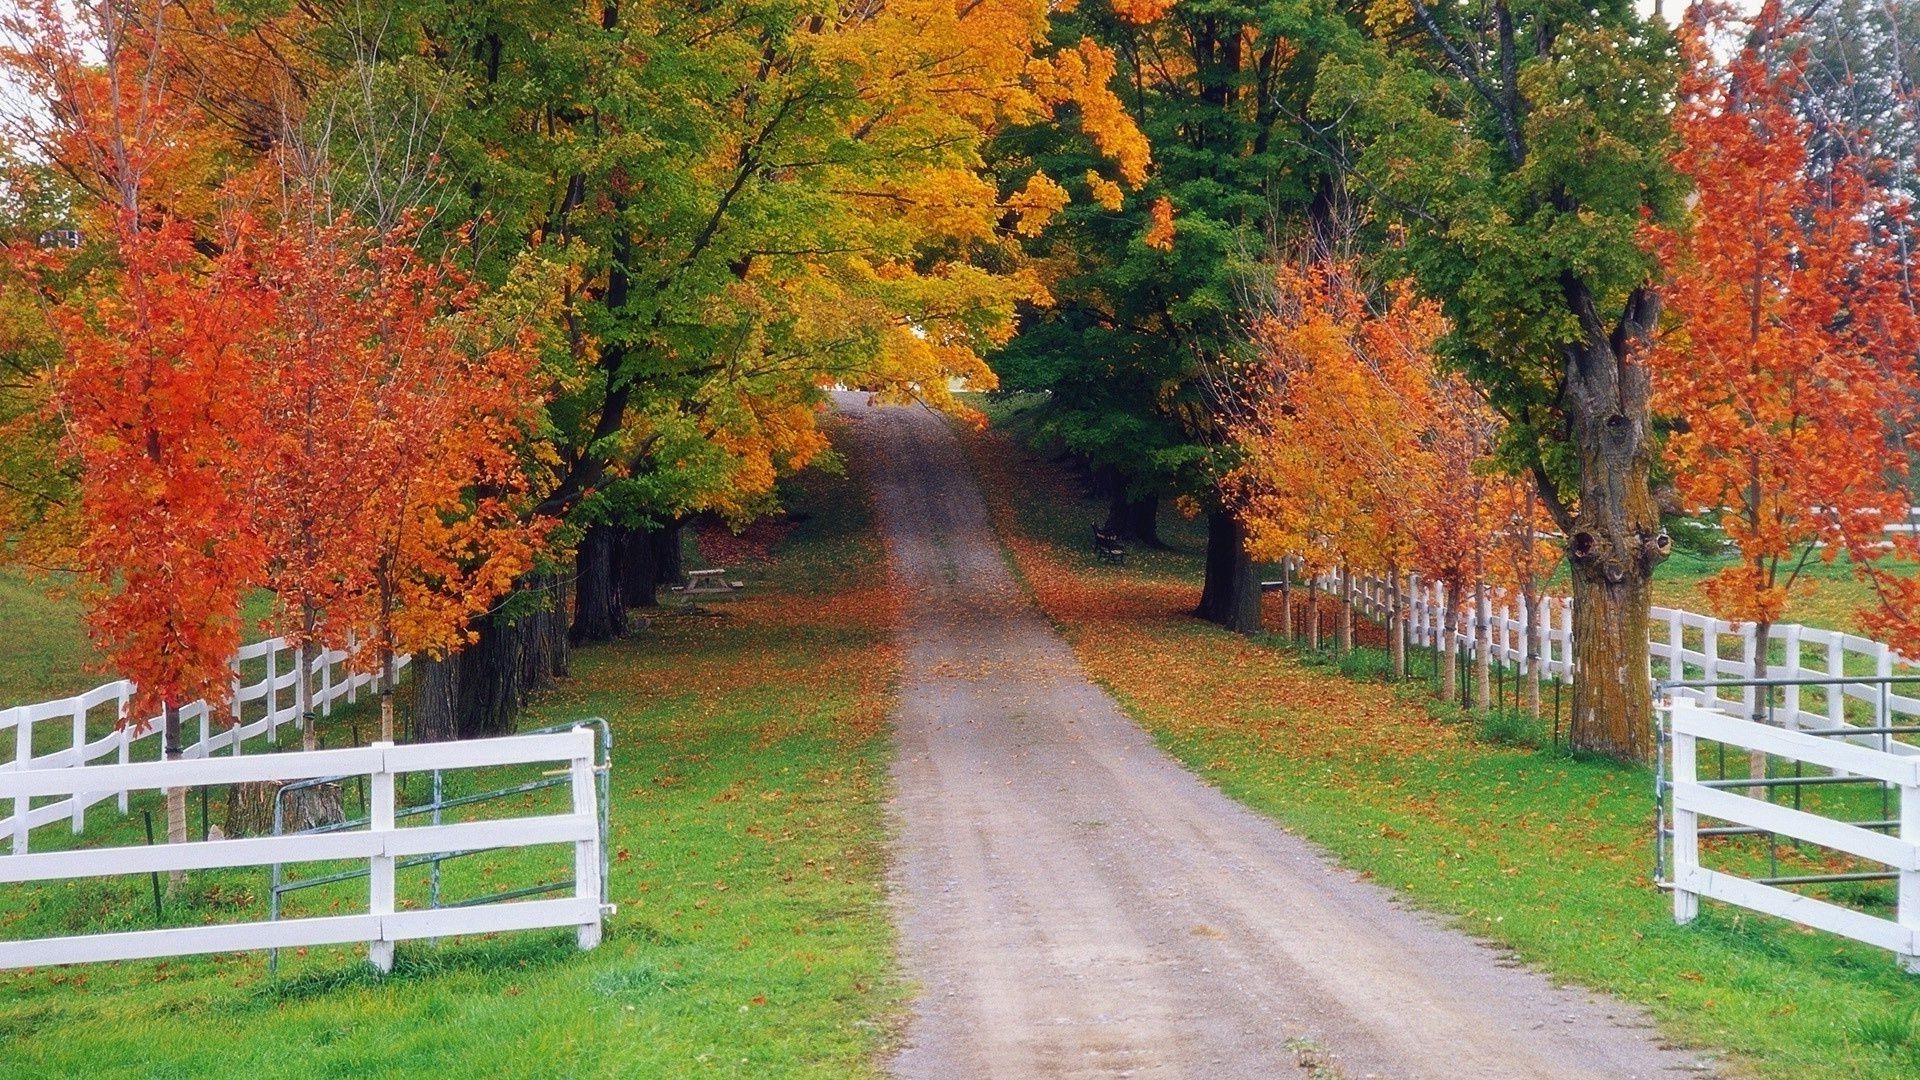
(1230, 595)
(1614, 539)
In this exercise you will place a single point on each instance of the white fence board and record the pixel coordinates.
(1805, 910)
(281, 675)
(1689, 723)
(381, 843)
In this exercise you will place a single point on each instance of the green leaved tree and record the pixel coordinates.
(1513, 152)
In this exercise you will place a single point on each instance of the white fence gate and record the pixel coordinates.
(381, 843)
(271, 695)
(1689, 723)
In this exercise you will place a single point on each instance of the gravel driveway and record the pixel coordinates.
(1074, 903)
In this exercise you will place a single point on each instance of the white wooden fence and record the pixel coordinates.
(1689, 724)
(381, 843)
(271, 696)
(1681, 646)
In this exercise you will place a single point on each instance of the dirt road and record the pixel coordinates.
(1074, 903)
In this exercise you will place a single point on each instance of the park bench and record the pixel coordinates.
(1108, 546)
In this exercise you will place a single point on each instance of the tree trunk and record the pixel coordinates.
(1449, 649)
(250, 808)
(668, 556)
(598, 612)
(387, 672)
(488, 687)
(1757, 759)
(1612, 697)
(1614, 538)
(1286, 600)
(1313, 614)
(1482, 649)
(640, 567)
(435, 699)
(1230, 595)
(303, 696)
(1346, 610)
(176, 796)
(1128, 518)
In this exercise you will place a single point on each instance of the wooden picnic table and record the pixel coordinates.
(709, 583)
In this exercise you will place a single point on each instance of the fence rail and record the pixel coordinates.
(381, 843)
(269, 700)
(1690, 723)
(1843, 676)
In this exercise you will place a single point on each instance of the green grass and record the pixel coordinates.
(747, 861)
(1484, 821)
(47, 653)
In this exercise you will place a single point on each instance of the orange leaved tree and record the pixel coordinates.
(1789, 367)
(436, 528)
(154, 389)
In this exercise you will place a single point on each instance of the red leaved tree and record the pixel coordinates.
(155, 389)
(394, 436)
(1789, 367)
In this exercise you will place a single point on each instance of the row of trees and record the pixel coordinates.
(1631, 307)
(431, 317)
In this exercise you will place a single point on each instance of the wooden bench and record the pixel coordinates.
(1108, 546)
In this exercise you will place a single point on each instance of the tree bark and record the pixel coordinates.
(1757, 759)
(668, 555)
(303, 696)
(387, 672)
(598, 612)
(435, 703)
(1128, 518)
(1313, 614)
(1286, 600)
(640, 567)
(1449, 649)
(176, 796)
(1230, 595)
(1614, 539)
(489, 687)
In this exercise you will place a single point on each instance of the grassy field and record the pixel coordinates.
(1545, 853)
(747, 862)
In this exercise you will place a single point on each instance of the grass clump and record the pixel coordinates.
(1508, 727)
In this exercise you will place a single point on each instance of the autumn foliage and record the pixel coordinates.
(1789, 362)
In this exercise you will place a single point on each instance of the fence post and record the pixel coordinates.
(1837, 690)
(1749, 651)
(1686, 823)
(1790, 698)
(23, 755)
(79, 759)
(380, 870)
(586, 853)
(273, 693)
(326, 682)
(1566, 640)
(1907, 910)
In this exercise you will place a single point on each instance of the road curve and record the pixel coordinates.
(1074, 903)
